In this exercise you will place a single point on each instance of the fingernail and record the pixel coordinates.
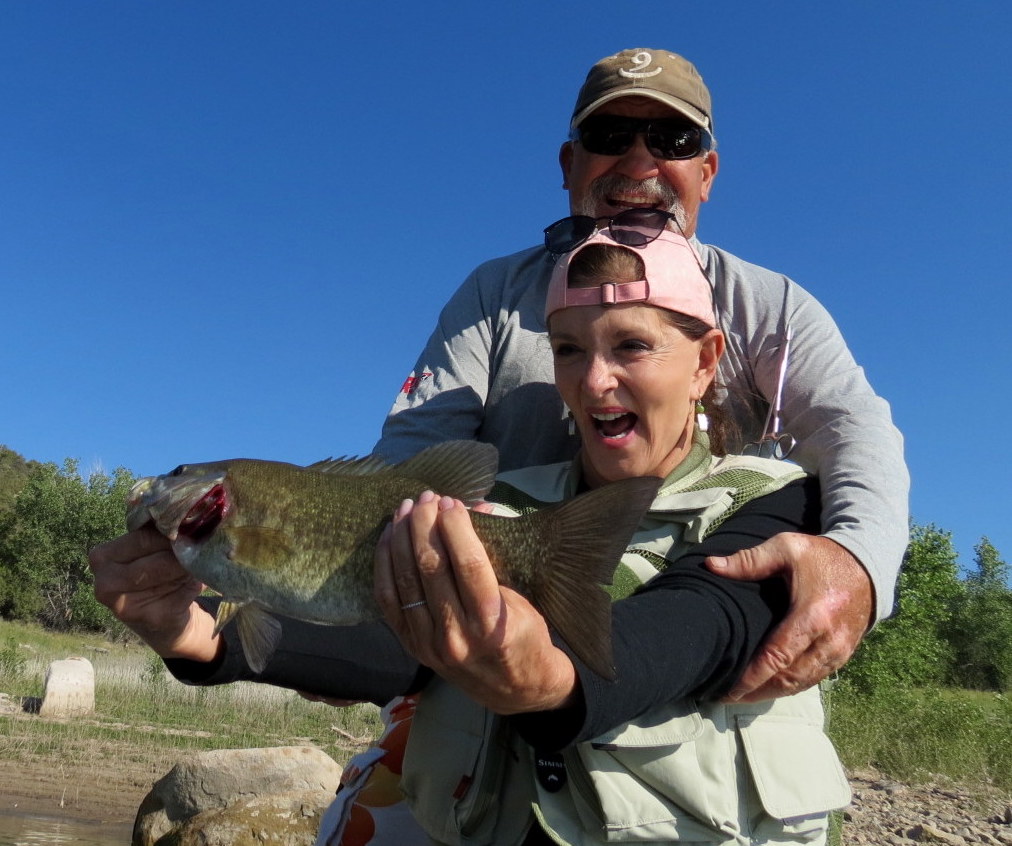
(718, 563)
(446, 503)
(427, 496)
(736, 694)
(402, 509)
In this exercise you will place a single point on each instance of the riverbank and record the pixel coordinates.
(105, 781)
(94, 781)
(99, 768)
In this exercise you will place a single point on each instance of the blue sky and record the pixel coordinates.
(226, 228)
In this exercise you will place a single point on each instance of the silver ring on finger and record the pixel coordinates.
(417, 604)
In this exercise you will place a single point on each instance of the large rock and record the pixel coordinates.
(234, 797)
(69, 689)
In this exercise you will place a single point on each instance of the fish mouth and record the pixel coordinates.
(205, 516)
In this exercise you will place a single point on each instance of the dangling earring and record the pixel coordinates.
(702, 421)
(568, 415)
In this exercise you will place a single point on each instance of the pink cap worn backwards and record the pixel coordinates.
(674, 280)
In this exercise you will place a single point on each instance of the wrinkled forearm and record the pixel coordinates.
(844, 431)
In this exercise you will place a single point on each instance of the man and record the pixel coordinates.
(642, 137)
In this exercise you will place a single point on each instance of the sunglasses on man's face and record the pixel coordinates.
(632, 227)
(666, 138)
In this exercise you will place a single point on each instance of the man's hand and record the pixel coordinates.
(139, 579)
(831, 608)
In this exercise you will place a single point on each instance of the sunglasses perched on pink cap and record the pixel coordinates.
(673, 279)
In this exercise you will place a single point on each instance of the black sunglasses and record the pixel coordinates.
(632, 227)
(667, 138)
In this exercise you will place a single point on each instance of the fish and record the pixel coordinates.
(278, 539)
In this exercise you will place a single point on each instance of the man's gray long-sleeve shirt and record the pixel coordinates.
(486, 373)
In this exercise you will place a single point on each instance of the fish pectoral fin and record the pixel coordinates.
(259, 547)
(259, 634)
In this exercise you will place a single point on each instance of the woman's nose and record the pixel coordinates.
(599, 377)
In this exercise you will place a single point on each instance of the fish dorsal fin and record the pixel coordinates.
(464, 470)
(345, 466)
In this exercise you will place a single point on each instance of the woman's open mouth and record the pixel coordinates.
(614, 425)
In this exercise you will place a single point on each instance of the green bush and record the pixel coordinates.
(980, 629)
(910, 649)
(56, 517)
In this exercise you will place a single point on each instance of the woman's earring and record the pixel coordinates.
(568, 415)
(702, 421)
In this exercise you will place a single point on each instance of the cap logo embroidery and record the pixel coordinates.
(641, 61)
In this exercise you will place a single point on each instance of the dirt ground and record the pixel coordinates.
(108, 788)
(105, 782)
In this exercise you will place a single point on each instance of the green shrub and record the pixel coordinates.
(910, 648)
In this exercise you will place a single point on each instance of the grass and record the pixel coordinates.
(921, 735)
(142, 714)
(147, 714)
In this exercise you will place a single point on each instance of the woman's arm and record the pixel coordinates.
(687, 632)
(364, 662)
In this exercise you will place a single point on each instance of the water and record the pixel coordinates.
(18, 830)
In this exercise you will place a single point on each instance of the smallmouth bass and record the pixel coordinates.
(276, 538)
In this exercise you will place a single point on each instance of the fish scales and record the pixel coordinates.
(279, 539)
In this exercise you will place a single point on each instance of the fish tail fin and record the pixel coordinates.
(259, 632)
(586, 537)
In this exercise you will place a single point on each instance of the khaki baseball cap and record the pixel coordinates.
(643, 72)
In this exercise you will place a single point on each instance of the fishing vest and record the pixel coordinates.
(686, 772)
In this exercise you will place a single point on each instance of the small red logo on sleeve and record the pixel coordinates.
(412, 383)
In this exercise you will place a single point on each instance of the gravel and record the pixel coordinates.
(885, 812)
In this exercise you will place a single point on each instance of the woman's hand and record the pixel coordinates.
(439, 592)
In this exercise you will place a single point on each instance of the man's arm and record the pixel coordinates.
(444, 396)
(486, 372)
(831, 609)
(845, 579)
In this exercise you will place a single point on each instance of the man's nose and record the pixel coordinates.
(637, 162)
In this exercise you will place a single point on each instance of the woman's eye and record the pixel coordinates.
(634, 345)
(562, 350)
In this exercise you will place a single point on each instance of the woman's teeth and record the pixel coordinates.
(614, 425)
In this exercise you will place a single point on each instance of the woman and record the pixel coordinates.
(513, 740)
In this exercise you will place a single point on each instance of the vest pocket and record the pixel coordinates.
(453, 770)
(645, 781)
(796, 772)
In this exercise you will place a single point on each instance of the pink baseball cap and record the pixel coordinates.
(674, 280)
